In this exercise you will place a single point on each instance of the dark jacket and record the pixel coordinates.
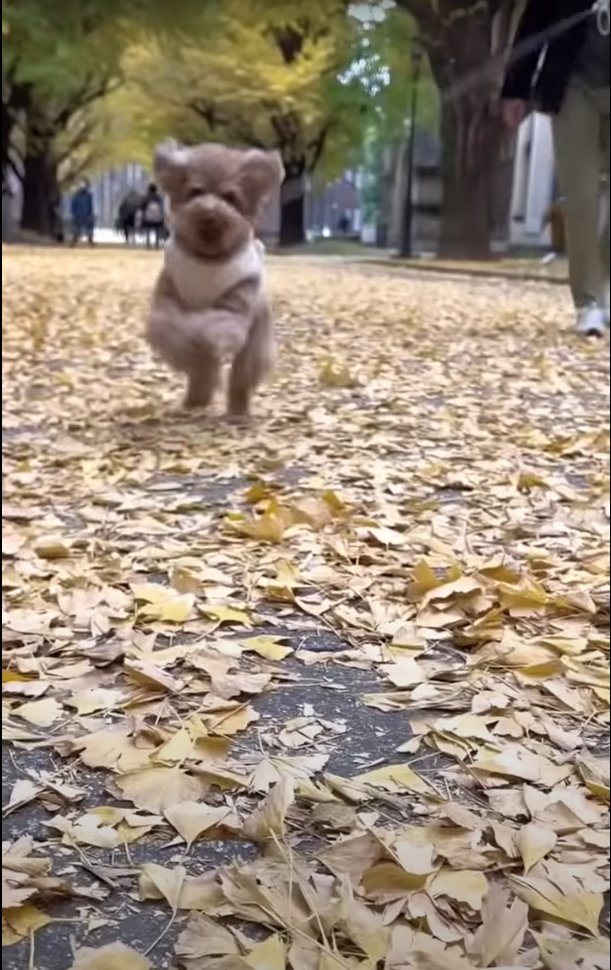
(81, 207)
(562, 25)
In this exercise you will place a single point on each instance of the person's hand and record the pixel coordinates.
(514, 112)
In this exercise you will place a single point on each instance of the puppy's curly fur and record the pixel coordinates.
(209, 304)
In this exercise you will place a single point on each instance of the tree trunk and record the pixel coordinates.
(14, 102)
(292, 207)
(467, 44)
(502, 189)
(472, 135)
(292, 221)
(40, 191)
(7, 129)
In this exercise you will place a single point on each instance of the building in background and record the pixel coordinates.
(110, 188)
(426, 198)
(335, 209)
(531, 196)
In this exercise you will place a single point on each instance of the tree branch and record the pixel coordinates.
(77, 138)
(73, 173)
(318, 146)
(83, 97)
(424, 15)
(236, 127)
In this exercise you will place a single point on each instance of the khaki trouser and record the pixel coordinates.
(581, 141)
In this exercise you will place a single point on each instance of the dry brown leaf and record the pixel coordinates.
(405, 672)
(414, 852)
(169, 882)
(22, 792)
(499, 938)
(197, 893)
(229, 685)
(111, 747)
(96, 699)
(218, 776)
(564, 954)
(202, 938)
(112, 956)
(88, 830)
(51, 547)
(20, 922)
(268, 955)
(335, 816)
(157, 789)
(190, 819)
(268, 820)
(534, 843)
(14, 895)
(595, 774)
(299, 731)
(576, 908)
(268, 647)
(395, 778)
(516, 761)
(230, 723)
(178, 748)
(151, 676)
(42, 713)
(271, 770)
(226, 614)
(464, 886)
(162, 603)
(385, 880)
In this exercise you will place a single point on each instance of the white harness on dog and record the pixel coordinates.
(202, 282)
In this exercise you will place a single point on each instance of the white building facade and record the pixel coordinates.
(533, 183)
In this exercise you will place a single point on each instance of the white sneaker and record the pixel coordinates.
(592, 321)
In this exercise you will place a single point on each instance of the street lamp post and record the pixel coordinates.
(408, 207)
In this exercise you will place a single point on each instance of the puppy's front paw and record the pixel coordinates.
(198, 395)
(194, 402)
(239, 419)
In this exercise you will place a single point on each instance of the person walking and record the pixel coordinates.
(561, 66)
(153, 216)
(81, 211)
(126, 216)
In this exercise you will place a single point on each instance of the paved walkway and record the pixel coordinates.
(408, 547)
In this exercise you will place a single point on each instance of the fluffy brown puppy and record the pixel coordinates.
(209, 304)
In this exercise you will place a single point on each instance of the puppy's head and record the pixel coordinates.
(216, 193)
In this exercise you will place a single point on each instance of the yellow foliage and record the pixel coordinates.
(250, 73)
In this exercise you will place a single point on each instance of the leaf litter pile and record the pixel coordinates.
(328, 692)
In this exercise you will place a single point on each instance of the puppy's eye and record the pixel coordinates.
(231, 198)
(194, 192)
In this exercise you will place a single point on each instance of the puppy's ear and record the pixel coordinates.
(260, 174)
(169, 164)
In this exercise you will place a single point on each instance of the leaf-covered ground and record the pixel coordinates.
(331, 692)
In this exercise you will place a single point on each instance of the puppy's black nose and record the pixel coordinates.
(210, 224)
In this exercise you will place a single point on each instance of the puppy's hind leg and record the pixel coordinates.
(252, 364)
(203, 372)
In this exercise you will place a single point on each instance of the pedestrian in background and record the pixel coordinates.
(153, 216)
(564, 71)
(81, 211)
(126, 216)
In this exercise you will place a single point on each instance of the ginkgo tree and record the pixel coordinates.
(267, 75)
(59, 61)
